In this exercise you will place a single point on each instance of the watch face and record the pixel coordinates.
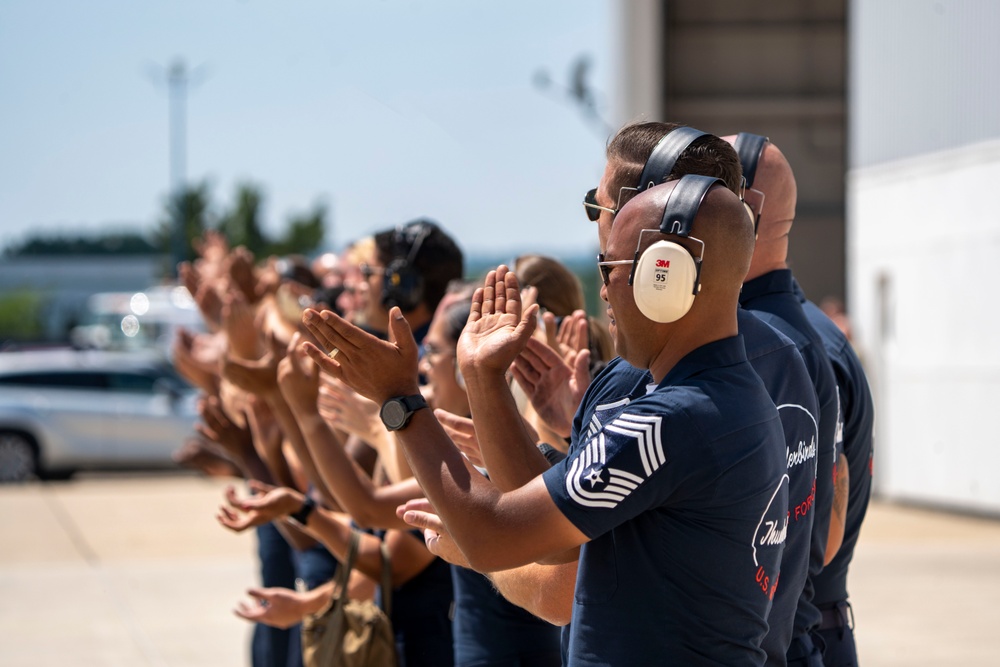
(393, 414)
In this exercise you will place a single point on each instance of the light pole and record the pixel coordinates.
(178, 79)
(177, 90)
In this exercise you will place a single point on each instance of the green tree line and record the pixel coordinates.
(241, 223)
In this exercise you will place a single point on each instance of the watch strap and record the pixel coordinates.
(301, 515)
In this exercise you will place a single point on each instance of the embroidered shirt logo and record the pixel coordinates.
(592, 483)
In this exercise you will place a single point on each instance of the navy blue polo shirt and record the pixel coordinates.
(683, 495)
(771, 297)
(490, 631)
(858, 412)
(618, 383)
(421, 614)
(776, 360)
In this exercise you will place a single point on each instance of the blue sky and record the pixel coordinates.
(384, 110)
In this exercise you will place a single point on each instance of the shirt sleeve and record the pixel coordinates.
(609, 479)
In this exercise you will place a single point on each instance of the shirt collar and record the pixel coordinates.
(717, 354)
(778, 281)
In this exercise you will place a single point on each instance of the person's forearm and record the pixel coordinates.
(838, 513)
(352, 488)
(544, 590)
(294, 535)
(293, 434)
(335, 534)
(510, 453)
(253, 467)
(486, 524)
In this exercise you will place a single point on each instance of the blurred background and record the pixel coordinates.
(125, 131)
(128, 129)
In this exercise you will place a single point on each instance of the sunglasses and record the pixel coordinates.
(605, 266)
(594, 209)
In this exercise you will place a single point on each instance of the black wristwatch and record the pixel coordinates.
(396, 412)
(302, 514)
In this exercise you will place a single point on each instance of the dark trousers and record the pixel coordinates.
(274, 647)
(803, 652)
(837, 634)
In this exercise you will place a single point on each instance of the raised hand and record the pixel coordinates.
(258, 377)
(376, 369)
(419, 513)
(343, 408)
(236, 442)
(202, 375)
(197, 454)
(213, 248)
(573, 335)
(241, 273)
(463, 433)
(238, 324)
(298, 377)
(554, 387)
(272, 502)
(497, 329)
(210, 304)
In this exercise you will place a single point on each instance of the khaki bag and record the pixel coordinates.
(351, 633)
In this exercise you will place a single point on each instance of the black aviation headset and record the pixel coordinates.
(403, 285)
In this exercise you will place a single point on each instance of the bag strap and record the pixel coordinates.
(344, 573)
(386, 579)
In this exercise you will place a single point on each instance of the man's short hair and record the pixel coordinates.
(707, 155)
(438, 259)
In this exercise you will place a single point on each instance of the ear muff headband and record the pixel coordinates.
(665, 276)
(749, 148)
(661, 161)
(683, 203)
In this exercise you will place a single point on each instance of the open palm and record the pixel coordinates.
(497, 329)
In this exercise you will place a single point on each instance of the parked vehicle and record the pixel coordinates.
(63, 410)
(137, 320)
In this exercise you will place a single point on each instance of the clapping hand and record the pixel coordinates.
(376, 369)
(497, 329)
(419, 513)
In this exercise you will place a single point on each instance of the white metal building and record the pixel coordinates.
(889, 111)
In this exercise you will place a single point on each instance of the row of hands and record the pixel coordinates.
(283, 607)
(552, 369)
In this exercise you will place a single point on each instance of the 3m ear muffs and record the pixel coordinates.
(749, 148)
(665, 276)
(661, 161)
(402, 284)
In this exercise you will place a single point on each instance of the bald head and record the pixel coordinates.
(721, 223)
(777, 181)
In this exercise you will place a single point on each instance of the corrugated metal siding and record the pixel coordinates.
(923, 77)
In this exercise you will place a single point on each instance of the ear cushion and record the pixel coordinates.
(665, 282)
(401, 286)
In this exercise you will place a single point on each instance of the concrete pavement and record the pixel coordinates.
(132, 570)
